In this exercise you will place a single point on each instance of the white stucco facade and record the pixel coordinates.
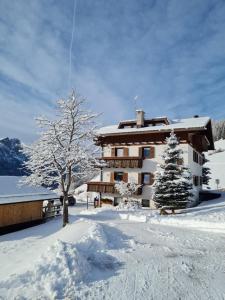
(149, 166)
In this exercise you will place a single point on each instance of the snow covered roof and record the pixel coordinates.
(27, 198)
(190, 123)
(12, 192)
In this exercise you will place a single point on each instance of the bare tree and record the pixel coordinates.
(64, 154)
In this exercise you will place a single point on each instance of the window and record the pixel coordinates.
(195, 180)
(195, 156)
(146, 178)
(145, 203)
(118, 176)
(119, 152)
(146, 152)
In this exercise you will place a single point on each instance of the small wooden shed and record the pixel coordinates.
(18, 211)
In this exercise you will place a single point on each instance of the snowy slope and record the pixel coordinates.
(110, 254)
(9, 185)
(217, 164)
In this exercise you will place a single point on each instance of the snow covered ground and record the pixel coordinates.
(217, 164)
(110, 254)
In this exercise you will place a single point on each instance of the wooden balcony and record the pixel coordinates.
(100, 187)
(105, 187)
(123, 162)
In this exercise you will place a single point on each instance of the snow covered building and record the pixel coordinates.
(133, 149)
(21, 206)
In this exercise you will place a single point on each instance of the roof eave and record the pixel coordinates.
(150, 131)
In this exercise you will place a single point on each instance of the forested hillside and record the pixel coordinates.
(11, 157)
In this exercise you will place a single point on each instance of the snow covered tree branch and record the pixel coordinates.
(127, 190)
(64, 154)
(205, 172)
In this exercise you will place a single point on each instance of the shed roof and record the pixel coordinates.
(12, 192)
(7, 199)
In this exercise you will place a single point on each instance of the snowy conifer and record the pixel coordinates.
(64, 154)
(173, 183)
(205, 172)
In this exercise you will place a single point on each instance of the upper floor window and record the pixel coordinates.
(195, 180)
(146, 177)
(119, 152)
(146, 152)
(118, 176)
(195, 156)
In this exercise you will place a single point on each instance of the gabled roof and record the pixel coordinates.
(177, 124)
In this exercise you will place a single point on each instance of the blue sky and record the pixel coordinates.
(169, 53)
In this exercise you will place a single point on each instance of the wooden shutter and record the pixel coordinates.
(125, 177)
(152, 152)
(125, 151)
(152, 178)
(139, 178)
(112, 177)
(113, 151)
(140, 152)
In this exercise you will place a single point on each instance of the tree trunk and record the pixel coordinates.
(65, 210)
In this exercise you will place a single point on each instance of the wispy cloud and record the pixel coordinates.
(170, 53)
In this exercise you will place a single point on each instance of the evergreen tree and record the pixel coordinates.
(205, 173)
(173, 183)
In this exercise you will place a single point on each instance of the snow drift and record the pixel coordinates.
(59, 271)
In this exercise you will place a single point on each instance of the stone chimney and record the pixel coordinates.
(140, 118)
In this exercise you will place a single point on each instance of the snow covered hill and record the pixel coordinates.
(217, 164)
(10, 185)
(117, 255)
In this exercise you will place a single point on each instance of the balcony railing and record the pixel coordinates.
(123, 162)
(106, 187)
(101, 187)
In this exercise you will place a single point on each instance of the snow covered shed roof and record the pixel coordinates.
(12, 192)
(27, 198)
